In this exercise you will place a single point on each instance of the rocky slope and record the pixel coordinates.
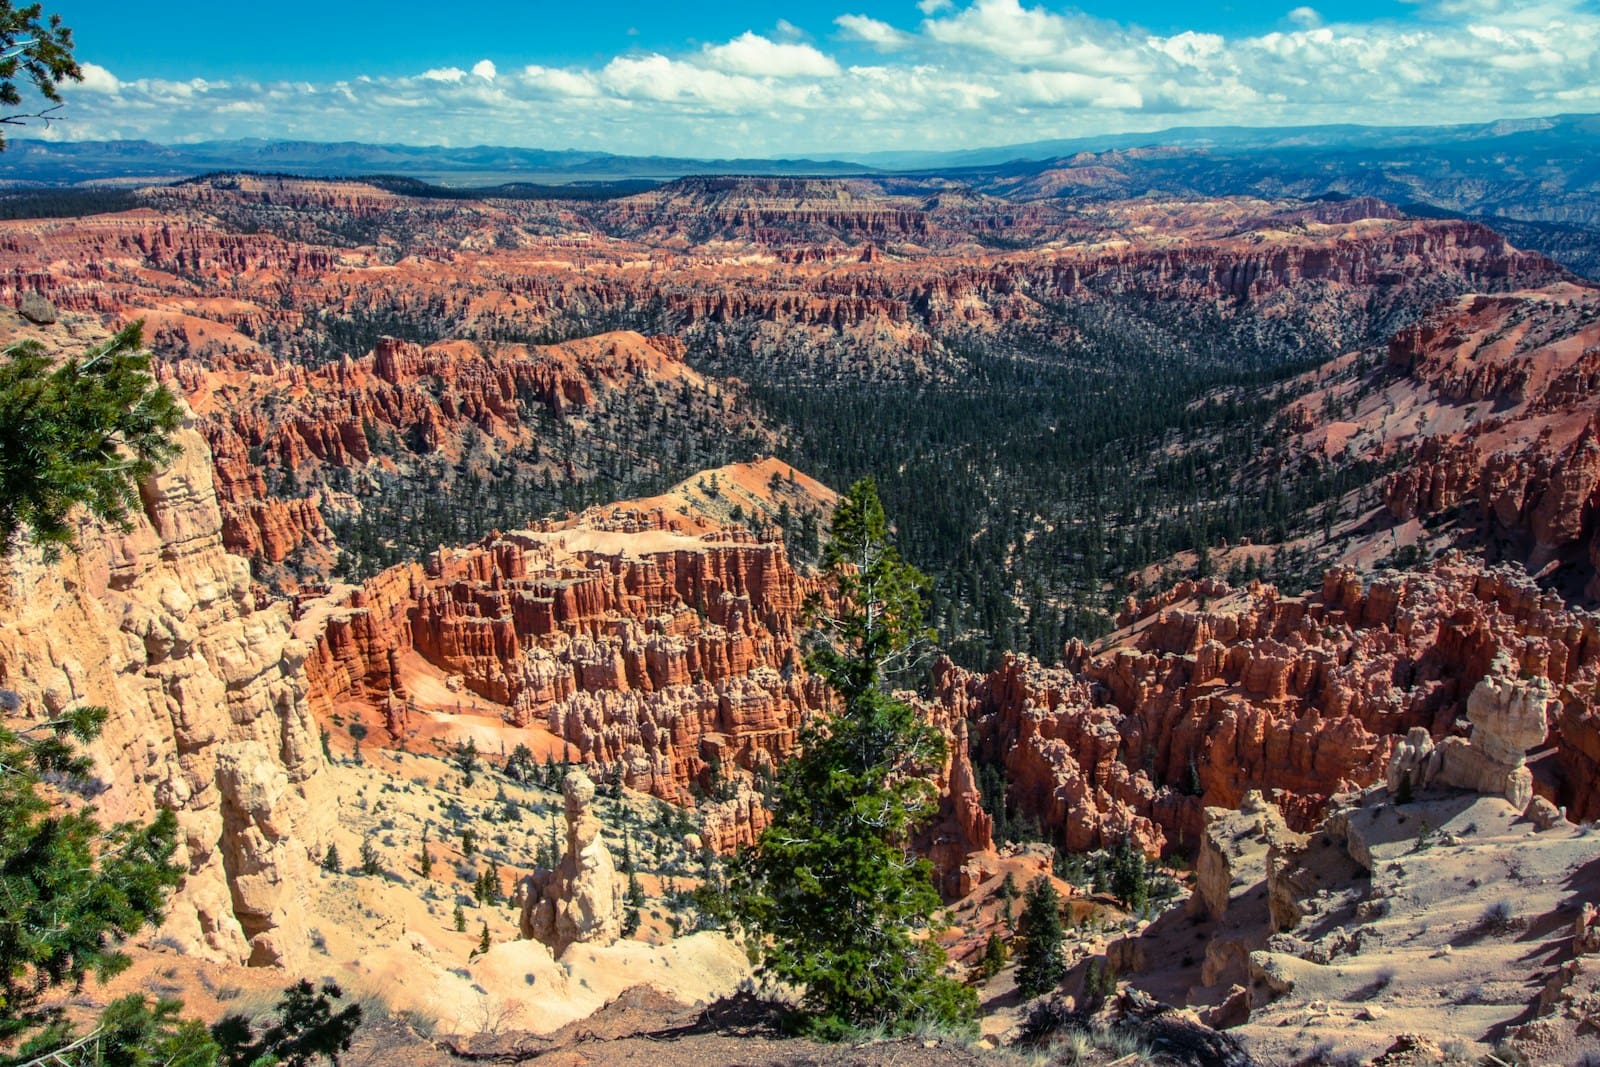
(207, 698)
(293, 445)
(1211, 692)
(1480, 421)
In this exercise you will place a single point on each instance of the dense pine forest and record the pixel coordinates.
(1039, 479)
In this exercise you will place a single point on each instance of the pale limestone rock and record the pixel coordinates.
(1508, 715)
(1234, 850)
(206, 698)
(581, 900)
(1543, 813)
(1233, 1011)
(1415, 759)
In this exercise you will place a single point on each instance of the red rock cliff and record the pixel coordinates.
(1304, 696)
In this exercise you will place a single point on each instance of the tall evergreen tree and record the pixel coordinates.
(832, 896)
(1042, 963)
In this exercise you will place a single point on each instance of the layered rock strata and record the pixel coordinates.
(207, 701)
(1305, 696)
(673, 656)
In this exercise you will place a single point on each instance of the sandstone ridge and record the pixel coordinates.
(207, 701)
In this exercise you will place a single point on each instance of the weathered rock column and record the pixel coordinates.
(581, 900)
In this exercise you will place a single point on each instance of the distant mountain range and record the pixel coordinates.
(1537, 180)
(65, 162)
(61, 162)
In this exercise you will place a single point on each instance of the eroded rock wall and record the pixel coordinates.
(1301, 696)
(207, 701)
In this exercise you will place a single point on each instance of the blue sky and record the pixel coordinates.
(788, 77)
(214, 39)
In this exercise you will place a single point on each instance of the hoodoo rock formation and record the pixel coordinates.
(581, 900)
(1508, 716)
(673, 656)
(1305, 697)
(207, 701)
(385, 411)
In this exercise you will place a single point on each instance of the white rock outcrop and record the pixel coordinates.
(206, 698)
(581, 900)
(1509, 715)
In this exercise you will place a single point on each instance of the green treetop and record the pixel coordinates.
(1042, 963)
(84, 432)
(35, 49)
(832, 896)
(70, 889)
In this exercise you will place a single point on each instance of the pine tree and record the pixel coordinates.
(469, 842)
(1129, 876)
(84, 432)
(41, 51)
(308, 1030)
(483, 941)
(73, 889)
(520, 763)
(330, 860)
(424, 860)
(460, 919)
(370, 863)
(466, 757)
(994, 956)
(1042, 963)
(831, 894)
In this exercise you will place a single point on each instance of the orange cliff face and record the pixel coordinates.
(1486, 412)
(1302, 697)
(666, 654)
(401, 402)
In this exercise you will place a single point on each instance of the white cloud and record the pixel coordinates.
(97, 79)
(880, 35)
(977, 72)
(750, 53)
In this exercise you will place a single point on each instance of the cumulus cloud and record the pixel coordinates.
(750, 53)
(97, 79)
(880, 35)
(950, 74)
